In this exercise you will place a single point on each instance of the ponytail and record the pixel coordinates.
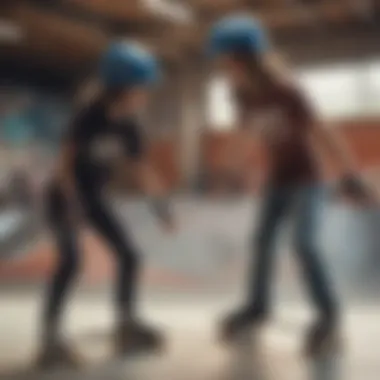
(277, 69)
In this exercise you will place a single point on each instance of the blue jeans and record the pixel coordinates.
(304, 203)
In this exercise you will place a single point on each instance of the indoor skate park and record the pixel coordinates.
(195, 275)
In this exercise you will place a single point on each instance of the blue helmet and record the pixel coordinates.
(128, 64)
(237, 34)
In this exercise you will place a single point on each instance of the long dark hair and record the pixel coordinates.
(272, 68)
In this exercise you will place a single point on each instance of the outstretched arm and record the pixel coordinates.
(153, 186)
(147, 178)
(333, 146)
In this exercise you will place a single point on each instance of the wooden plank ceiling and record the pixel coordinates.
(72, 33)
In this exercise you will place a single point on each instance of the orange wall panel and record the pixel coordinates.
(221, 149)
(163, 156)
(239, 151)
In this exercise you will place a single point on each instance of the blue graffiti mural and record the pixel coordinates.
(30, 116)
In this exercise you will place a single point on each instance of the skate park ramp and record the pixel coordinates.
(193, 351)
(213, 235)
(19, 229)
(210, 250)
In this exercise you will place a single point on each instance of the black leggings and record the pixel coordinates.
(65, 231)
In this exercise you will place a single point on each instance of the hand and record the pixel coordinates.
(161, 208)
(170, 226)
(356, 191)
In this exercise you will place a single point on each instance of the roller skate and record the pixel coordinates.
(133, 337)
(58, 354)
(323, 338)
(239, 325)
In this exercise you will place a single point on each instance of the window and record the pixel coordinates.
(373, 80)
(334, 90)
(221, 113)
(337, 91)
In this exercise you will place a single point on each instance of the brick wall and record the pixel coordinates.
(230, 150)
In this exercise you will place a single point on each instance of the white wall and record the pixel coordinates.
(337, 91)
(220, 111)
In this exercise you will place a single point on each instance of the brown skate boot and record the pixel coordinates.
(133, 338)
(323, 338)
(58, 355)
(240, 324)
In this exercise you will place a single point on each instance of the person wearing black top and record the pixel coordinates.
(101, 132)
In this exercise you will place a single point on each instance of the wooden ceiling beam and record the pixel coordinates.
(48, 37)
(126, 11)
(285, 12)
(277, 19)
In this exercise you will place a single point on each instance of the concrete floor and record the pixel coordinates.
(193, 353)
